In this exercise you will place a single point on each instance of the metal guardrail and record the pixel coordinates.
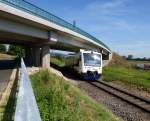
(32, 9)
(26, 109)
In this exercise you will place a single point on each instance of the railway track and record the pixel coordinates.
(130, 98)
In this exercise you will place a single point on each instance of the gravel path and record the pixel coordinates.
(120, 108)
(4, 78)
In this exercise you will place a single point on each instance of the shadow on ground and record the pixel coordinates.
(70, 73)
(9, 64)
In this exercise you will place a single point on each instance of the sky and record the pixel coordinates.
(123, 25)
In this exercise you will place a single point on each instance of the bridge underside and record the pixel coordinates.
(38, 39)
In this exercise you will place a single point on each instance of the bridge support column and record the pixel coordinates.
(36, 56)
(45, 55)
(28, 56)
(32, 57)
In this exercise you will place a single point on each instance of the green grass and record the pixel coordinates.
(121, 70)
(61, 61)
(58, 62)
(128, 75)
(58, 100)
(133, 62)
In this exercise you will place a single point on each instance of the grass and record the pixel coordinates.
(58, 100)
(130, 76)
(58, 62)
(123, 71)
(133, 62)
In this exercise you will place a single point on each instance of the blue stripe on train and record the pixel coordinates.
(91, 77)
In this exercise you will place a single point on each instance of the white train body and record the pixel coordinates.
(88, 64)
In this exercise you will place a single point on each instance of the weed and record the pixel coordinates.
(58, 100)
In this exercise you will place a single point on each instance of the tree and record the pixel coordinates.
(19, 51)
(144, 58)
(130, 57)
(2, 48)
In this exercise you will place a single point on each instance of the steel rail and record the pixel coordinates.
(126, 92)
(130, 98)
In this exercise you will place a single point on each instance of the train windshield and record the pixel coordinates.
(92, 59)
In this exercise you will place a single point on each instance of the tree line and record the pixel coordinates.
(16, 50)
(130, 57)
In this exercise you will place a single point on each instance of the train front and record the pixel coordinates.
(91, 65)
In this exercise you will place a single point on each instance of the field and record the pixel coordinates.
(138, 62)
(123, 71)
(129, 76)
(58, 100)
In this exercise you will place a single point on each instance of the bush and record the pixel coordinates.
(19, 51)
(2, 48)
(60, 101)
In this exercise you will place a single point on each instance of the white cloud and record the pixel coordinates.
(133, 44)
(111, 7)
(114, 23)
(107, 15)
(139, 48)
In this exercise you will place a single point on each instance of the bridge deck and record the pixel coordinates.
(34, 10)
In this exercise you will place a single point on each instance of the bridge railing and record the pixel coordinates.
(26, 108)
(32, 9)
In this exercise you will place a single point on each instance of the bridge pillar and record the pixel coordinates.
(28, 56)
(36, 56)
(45, 56)
(32, 57)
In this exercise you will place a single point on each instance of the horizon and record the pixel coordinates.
(115, 22)
(63, 52)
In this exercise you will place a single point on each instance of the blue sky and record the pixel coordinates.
(124, 25)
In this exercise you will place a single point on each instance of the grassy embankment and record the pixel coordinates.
(58, 100)
(123, 71)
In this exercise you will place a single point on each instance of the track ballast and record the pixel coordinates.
(132, 99)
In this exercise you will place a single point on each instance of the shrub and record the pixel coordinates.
(58, 100)
(19, 51)
(2, 48)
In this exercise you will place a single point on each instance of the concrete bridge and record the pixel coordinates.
(25, 24)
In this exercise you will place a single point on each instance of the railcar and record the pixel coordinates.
(87, 63)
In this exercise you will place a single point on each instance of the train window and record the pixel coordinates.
(92, 59)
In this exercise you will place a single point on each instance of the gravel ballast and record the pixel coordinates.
(120, 108)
